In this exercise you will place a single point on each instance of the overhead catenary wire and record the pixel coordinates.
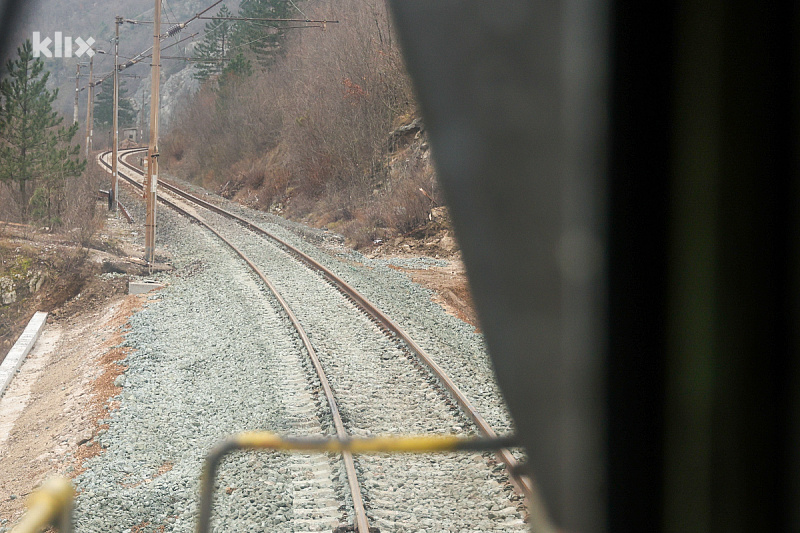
(282, 27)
(197, 15)
(173, 30)
(250, 19)
(140, 58)
(310, 24)
(173, 44)
(261, 39)
(169, 33)
(256, 40)
(198, 59)
(169, 9)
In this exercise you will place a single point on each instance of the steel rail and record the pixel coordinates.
(362, 524)
(523, 482)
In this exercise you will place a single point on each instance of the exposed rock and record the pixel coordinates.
(175, 88)
(84, 437)
(8, 295)
(396, 137)
(35, 282)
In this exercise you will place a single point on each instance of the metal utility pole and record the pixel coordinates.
(77, 90)
(114, 148)
(90, 93)
(141, 122)
(90, 105)
(152, 168)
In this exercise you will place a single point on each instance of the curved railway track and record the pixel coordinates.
(522, 483)
(362, 524)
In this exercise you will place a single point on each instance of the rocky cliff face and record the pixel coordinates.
(19, 282)
(176, 89)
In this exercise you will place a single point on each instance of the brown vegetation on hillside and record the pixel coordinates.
(76, 212)
(327, 134)
(43, 267)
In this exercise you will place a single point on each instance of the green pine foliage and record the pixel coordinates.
(104, 107)
(214, 47)
(237, 68)
(36, 157)
(265, 39)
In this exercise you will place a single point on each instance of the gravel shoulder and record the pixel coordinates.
(50, 412)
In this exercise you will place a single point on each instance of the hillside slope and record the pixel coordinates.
(328, 134)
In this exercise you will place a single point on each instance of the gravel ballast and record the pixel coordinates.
(212, 354)
(379, 391)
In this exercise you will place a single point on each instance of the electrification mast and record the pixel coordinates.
(115, 147)
(77, 91)
(90, 93)
(152, 152)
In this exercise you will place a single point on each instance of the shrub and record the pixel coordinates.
(310, 135)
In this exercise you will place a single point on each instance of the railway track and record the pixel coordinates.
(362, 524)
(399, 338)
(523, 483)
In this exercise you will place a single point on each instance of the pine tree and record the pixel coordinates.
(34, 146)
(104, 107)
(265, 39)
(214, 47)
(237, 68)
(47, 202)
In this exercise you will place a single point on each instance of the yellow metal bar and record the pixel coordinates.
(399, 444)
(47, 506)
(272, 441)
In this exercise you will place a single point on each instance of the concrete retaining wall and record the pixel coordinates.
(20, 350)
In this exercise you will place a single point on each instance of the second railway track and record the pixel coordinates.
(380, 392)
